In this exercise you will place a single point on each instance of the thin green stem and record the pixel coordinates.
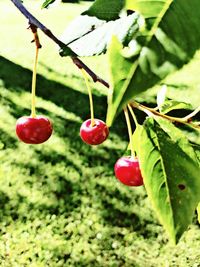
(90, 97)
(133, 115)
(34, 21)
(33, 110)
(152, 111)
(191, 115)
(129, 131)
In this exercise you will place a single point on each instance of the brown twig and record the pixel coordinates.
(35, 23)
(36, 37)
(94, 77)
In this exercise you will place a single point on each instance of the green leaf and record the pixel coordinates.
(198, 211)
(118, 76)
(47, 3)
(171, 39)
(148, 8)
(193, 135)
(94, 35)
(105, 10)
(196, 148)
(66, 51)
(171, 173)
(170, 105)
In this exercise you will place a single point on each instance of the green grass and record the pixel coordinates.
(60, 204)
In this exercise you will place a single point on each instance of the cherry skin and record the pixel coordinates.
(127, 171)
(33, 130)
(94, 135)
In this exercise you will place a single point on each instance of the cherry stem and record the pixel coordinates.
(38, 46)
(90, 97)
(191, 115)
(133, 115)
(37, 24)
(129, 131)
(152, 111)
(33, 112)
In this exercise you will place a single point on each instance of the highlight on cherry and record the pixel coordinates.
(94, 134)
(33, 130)
(127, 171)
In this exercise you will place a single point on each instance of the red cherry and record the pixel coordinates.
(127, 171)
(33, 130)
(94, 135)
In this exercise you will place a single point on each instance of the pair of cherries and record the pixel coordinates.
(38, 129)
(127, 169)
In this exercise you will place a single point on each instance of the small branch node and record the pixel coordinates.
(35, 34)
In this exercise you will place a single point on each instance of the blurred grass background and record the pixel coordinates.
(60, 204)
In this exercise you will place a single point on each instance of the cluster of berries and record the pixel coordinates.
(36, 130)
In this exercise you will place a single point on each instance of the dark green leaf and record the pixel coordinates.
(105, 10)
(118, 76)
(148, 8)
(170, 105)
(171, 38)
(47, 3)
(171, 173)
(196, 148)
(193, 134)
(66, 51)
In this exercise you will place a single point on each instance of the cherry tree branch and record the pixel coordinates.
(32, 20)
(35, 23)
(152, 111)
(94, 77)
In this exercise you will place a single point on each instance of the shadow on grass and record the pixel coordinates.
(18, 79)
(89, 164)
(7, 140)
